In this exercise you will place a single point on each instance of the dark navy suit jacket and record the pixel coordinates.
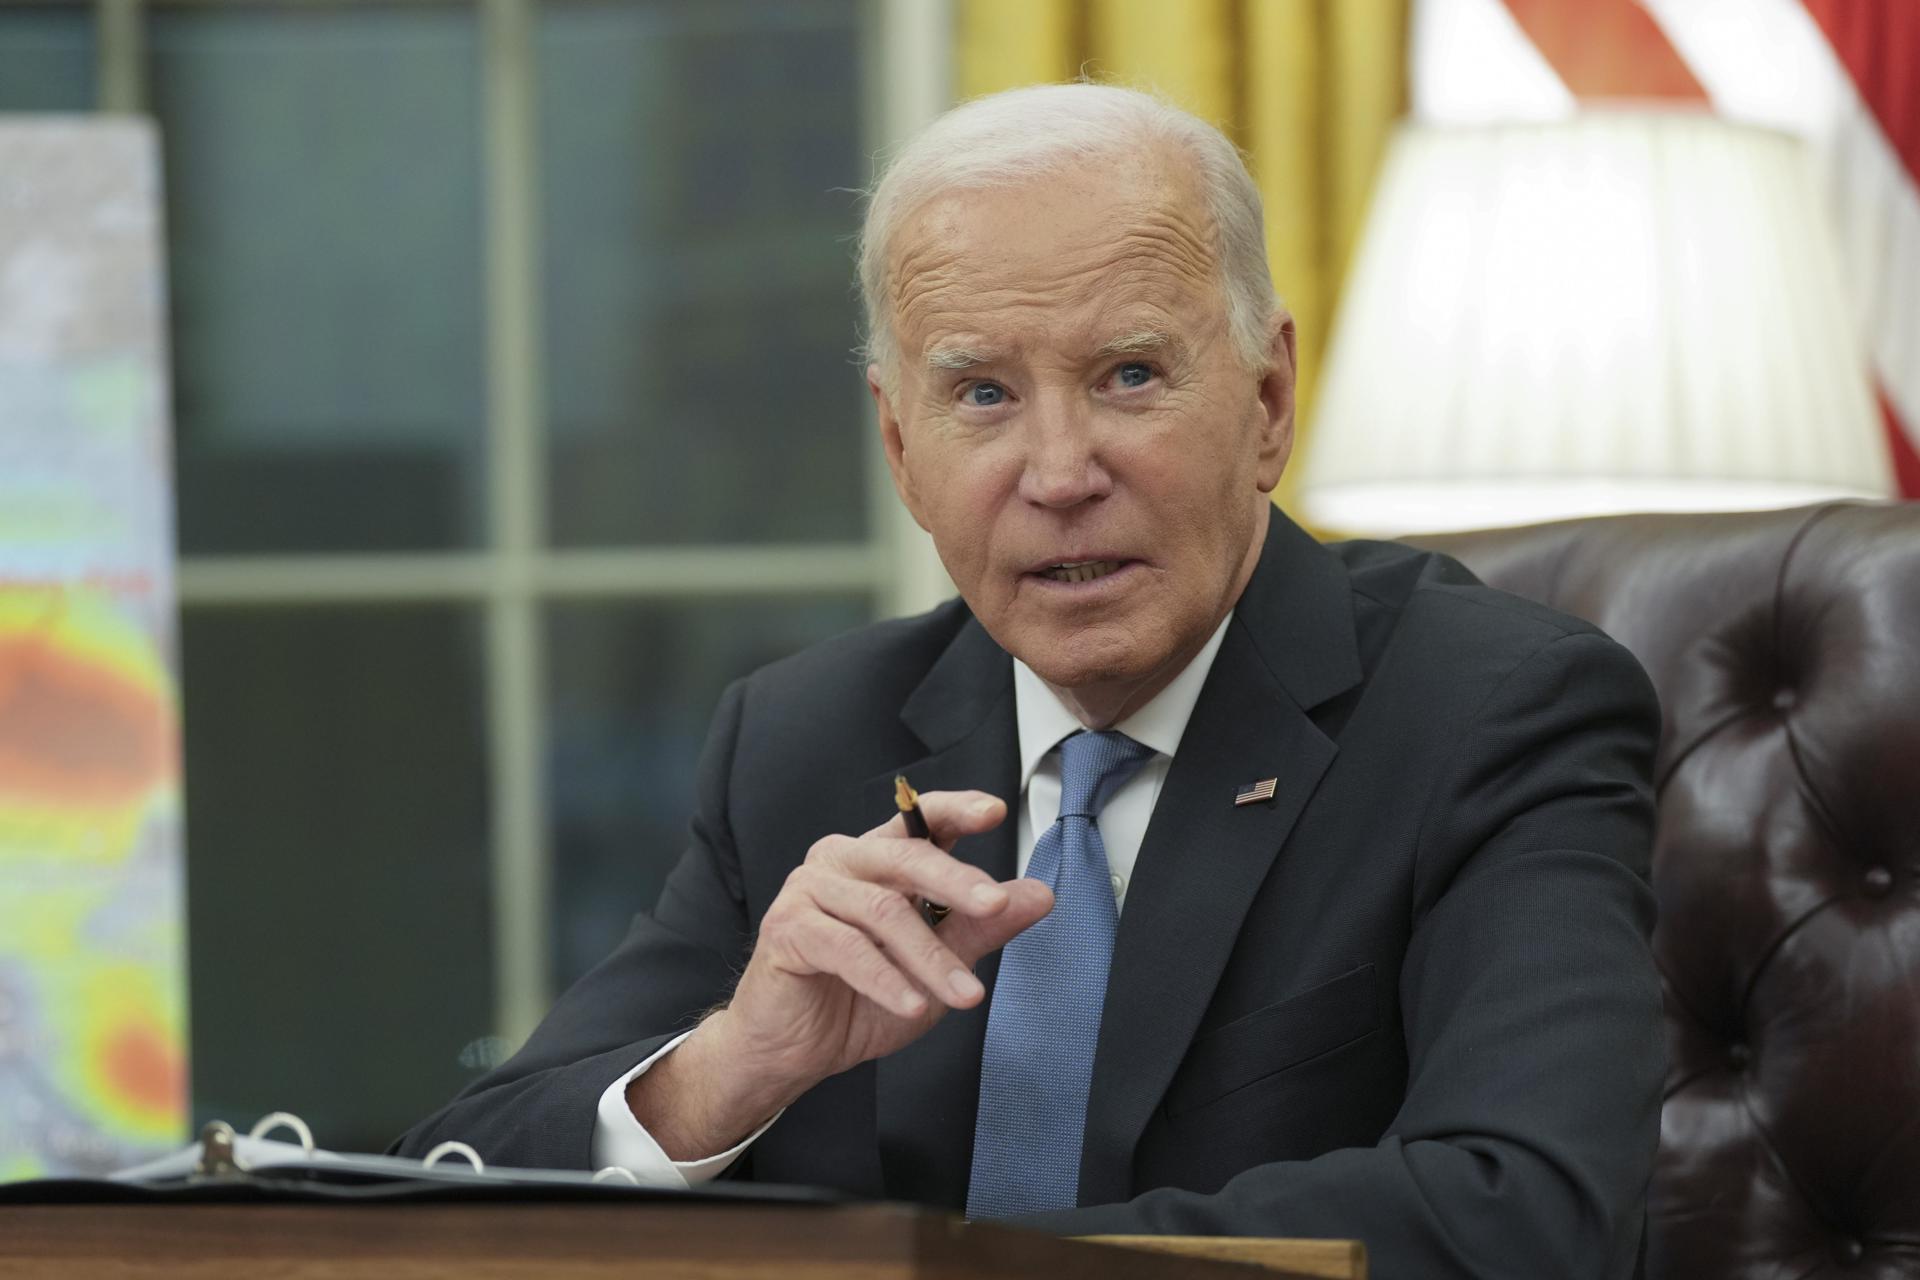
(1410, 1000)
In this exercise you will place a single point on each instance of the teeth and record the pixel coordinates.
(1082, 570)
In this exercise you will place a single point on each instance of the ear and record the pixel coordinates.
(1276, 404)
(895, 446)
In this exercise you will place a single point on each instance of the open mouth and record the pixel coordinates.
(1081, 570)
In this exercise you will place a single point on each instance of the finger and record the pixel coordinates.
(950, 815)
(971, 937)
(890, 919)
(835, 948)
(917, 868)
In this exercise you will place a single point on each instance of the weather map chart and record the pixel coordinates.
(93, 1068)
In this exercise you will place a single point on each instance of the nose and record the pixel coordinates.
(1063, 467)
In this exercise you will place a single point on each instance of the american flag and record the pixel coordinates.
(1255, 792)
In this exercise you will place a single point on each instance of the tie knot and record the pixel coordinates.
(1093, 766)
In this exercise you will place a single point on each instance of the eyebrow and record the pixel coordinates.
(955, 356)
(1138, 342)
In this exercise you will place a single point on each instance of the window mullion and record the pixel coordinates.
(908, 51)
(120, 55)
(516, 715)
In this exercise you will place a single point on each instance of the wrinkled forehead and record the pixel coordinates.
(1057, 259)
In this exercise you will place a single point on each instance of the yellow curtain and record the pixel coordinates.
(1307, 88)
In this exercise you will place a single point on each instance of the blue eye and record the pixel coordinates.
(984, 395)
(1134, 374)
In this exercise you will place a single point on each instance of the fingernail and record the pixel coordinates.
(965, 985)
(983, 808)
(911, 1002)
(988, 895)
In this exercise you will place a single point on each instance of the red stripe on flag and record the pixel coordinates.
(1906, 458)
(1606, 49)
(1878, 41)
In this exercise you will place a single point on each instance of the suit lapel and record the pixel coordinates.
(927, 1093)
(1289, 648)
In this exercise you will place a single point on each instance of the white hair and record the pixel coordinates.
(1022, 134)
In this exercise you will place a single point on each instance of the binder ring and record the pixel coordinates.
(217, 1158)
(451, 1148)
(284, 1120)
(607, 1175)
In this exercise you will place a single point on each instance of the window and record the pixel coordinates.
(515, 416)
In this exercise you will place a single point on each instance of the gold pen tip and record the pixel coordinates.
(904, 795)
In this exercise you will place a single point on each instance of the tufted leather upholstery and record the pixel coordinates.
(1786, 649)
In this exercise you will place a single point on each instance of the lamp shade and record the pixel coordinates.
(1622, 311)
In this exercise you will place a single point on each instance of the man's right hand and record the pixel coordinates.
(845, 969)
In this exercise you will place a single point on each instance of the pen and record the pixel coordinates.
(908, 801)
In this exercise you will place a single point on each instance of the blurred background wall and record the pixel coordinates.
(516, 413)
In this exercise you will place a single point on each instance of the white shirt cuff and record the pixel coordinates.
(621, 1140)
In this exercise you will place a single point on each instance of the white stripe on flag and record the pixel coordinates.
(1472, 64)
(1768, 62)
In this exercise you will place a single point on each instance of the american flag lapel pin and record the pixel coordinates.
(1255, 792)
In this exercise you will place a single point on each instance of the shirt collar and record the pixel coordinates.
(1043, 719)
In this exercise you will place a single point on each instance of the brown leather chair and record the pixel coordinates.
(1786, 649)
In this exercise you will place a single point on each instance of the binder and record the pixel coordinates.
(227, 1167)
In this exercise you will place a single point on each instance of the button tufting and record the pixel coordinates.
(1753, 1177)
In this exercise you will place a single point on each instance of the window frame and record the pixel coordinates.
(515, 574)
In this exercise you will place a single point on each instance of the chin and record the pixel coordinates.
(1096, 655)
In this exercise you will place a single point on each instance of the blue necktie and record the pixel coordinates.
(1045, 1019)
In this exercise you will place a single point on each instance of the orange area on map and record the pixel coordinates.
(74, 732)
(144, 1067)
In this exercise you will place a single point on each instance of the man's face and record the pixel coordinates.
(1069, 395)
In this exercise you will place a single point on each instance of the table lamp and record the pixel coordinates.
(1621, 311)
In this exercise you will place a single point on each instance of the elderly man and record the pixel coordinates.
(1293, 890)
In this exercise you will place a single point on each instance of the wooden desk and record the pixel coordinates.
(577, 1241)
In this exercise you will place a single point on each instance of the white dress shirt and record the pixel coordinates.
(1042, 721)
